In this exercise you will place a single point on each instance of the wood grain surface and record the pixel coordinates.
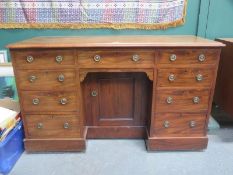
(182, 100)
(121, 95)
(178, 125)
(115, 41)
(47, 80)
(53, 126)
(117, 58)
(185, 77)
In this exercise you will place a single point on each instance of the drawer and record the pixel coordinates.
(182, 100)
(43, 58)
(188, 56)
(46, 79)
(116, 59)
(185, 77)
(49, 101)
(179, 125)
(52, 126)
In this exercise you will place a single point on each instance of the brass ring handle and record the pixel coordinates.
(192, 124)
(201, 58)
(97, 58)
(40, 125)
(136, 58)
(66, 126)
(59, 59)
(199, 77)
(173, 57)
(35, 101)
(166, 124)
(32, 78)
(171, 77)
(30, 59)
(61, 78)
(196, 100)
(63, 101)
(94, 93)
(169, 100)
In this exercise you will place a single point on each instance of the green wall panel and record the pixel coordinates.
(189, 28)
(220, 19)
(206, 18)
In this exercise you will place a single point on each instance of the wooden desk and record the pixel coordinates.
(224, 87)
(157, 88)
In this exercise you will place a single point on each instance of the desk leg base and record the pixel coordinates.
(54, 145)
(176, 143)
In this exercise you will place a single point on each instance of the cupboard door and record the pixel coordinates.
(117, 99)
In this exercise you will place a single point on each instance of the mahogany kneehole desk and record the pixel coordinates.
(157, 88)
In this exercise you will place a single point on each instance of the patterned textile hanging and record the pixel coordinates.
(79, 14)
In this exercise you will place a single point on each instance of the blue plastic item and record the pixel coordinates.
(11, 149)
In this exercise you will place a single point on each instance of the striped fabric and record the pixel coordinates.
(151, 14)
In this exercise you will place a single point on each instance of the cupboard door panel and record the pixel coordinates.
(117, 99)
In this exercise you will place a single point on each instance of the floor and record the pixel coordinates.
(129, 157)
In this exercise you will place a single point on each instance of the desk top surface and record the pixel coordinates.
(115, 41)
(230, 40)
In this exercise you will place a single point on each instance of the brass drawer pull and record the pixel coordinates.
(63, 101)
(30, 59)
(32, 78)
(39, 125)
(192, 124)
(199, 77)
(97, 58)
(66, 126)
(171, 77)
(35, 101)
(173, 57)
(201, 58)
(136, 58)
(169, 100)
(94, 93)
(59, 59)
(196, 100)
(166, 124)
(61, 78)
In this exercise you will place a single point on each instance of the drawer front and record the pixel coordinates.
(179, 125)
(188, 56)
(182, 100)
(115, 59)
(49, 101)
(46, 80)
(43, 58)
(185, 77)
(52, 126)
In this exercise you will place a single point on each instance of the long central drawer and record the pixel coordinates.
(132, 58)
